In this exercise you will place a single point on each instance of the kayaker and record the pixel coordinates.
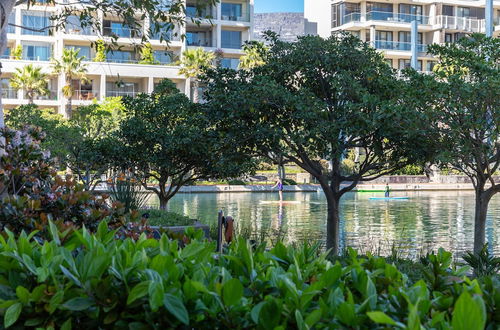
(387, 190)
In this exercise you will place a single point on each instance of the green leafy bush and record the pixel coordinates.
(236, 182)
(164, 218)
(81, 280)
(128, 192)
(289, 182)
(411, 170)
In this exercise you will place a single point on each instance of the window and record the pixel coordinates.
(448, 11)
(74, 26)
(231, 39)
(230, 63)
(165, 30)
(7, 91)
(379, 11)
(430, 66)
(6, 53)
(404, 63)
(37, 51)
(377, 6)
(121, 56)
(35, 21)
(83, 90)
(408, 13)
(448, 37)
(345, 12)
(84, 51)
(12, 20)
(120, 30)
(232, 11)
(163, 57)
(405, 36)
(463, 12)
(384, 35)
(199, 38)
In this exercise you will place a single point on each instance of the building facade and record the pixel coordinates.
(387, 24)
(223, 28)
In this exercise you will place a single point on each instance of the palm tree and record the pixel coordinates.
(255, 53)
(193, 63)
(32, 80)
(72, 67)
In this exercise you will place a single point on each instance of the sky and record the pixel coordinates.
(270, 6)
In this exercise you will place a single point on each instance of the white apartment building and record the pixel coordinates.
(229, 26)
(387, 24)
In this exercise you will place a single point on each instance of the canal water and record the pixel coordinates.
(424, 223)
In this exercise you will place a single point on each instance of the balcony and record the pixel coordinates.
(193, 12)
(52, 96)
(36, 58)
(9, 93)
(352, 17)
(395, 17)
(74, 30)
(400, 46)
(460, 23)
(121, 32)
(85, 95)
(199, 39)
(122, 93)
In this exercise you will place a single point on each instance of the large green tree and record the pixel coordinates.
(71, 66)
(466, 98)
(166, 141)
(32, 80)
(166, 14)
(320, 99)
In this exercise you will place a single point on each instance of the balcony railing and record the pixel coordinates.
(243, 17)
(51, 96)
(395, 17)
(199, 42)
(119, 60)
(122, 32)
(84, 95)
(460, 23)
(87, 31)
(9, 93)
(352, 17)
(122, 93)
(36, 58)
(395, 45)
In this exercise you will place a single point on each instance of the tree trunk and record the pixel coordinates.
(482, 201)
(196, 96)
(163, 202)
(333, 224)
(31, 97)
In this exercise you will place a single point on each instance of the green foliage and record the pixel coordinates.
(255, 55)
(483, 264)
(411, 169)
(147, 55)
(100, 55)
(17, 53)
(154, 283)
(165, 218)
(289, 182)
(236, 182)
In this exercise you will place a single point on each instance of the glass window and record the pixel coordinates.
(430, 66)
(199, 38)
(36, 21)
(163, 57)
(232, 11)
(410, 9)
(121, 56)
(231, 39)
(6, 53)
(377, 6)
(12, 20)
(448, 37)
(84, 51)
(448, 11)
(383, 35)
(120, 30)
(74, 26)
(7, 91)
(404, 63)
(37, 51)
(463, 12)
(230, 63)
(405, 36)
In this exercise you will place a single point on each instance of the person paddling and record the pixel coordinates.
(279, 184)
(387, 190)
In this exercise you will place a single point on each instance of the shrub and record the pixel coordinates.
(411, 170)
(158, 217)
(95, 281)
(128, 192)
(483, 264)
(289, 182)
(17, 53)
(100, 55)
(147, 55)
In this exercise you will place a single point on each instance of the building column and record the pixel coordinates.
(489, 18)
(102, 89)
(151, 85)
(373, 35)
(363, 12)
(217, 37)
(187, 89)
(60, 96)
(414, 45)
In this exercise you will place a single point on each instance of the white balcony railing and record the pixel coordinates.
(84, 95)
(459, 23)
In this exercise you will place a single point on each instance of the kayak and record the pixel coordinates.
(389, 198)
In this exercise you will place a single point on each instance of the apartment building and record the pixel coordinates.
(223, 28)
(387, 24)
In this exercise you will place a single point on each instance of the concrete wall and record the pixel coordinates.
(318, 17)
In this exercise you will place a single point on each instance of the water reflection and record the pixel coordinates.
(427, 221)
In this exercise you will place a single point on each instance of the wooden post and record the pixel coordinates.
(219, 231)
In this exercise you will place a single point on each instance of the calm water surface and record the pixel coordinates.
(427, 221)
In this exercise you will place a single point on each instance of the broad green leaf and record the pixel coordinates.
(381, 318)
(232, 292)
(12, 314)
(176, 307)
(23, 294)
(254, 314)
(192, 250)
(300, 321)
(66, 325)
(467, 314)
(139, 291)
(78, 304)
(313, 317)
